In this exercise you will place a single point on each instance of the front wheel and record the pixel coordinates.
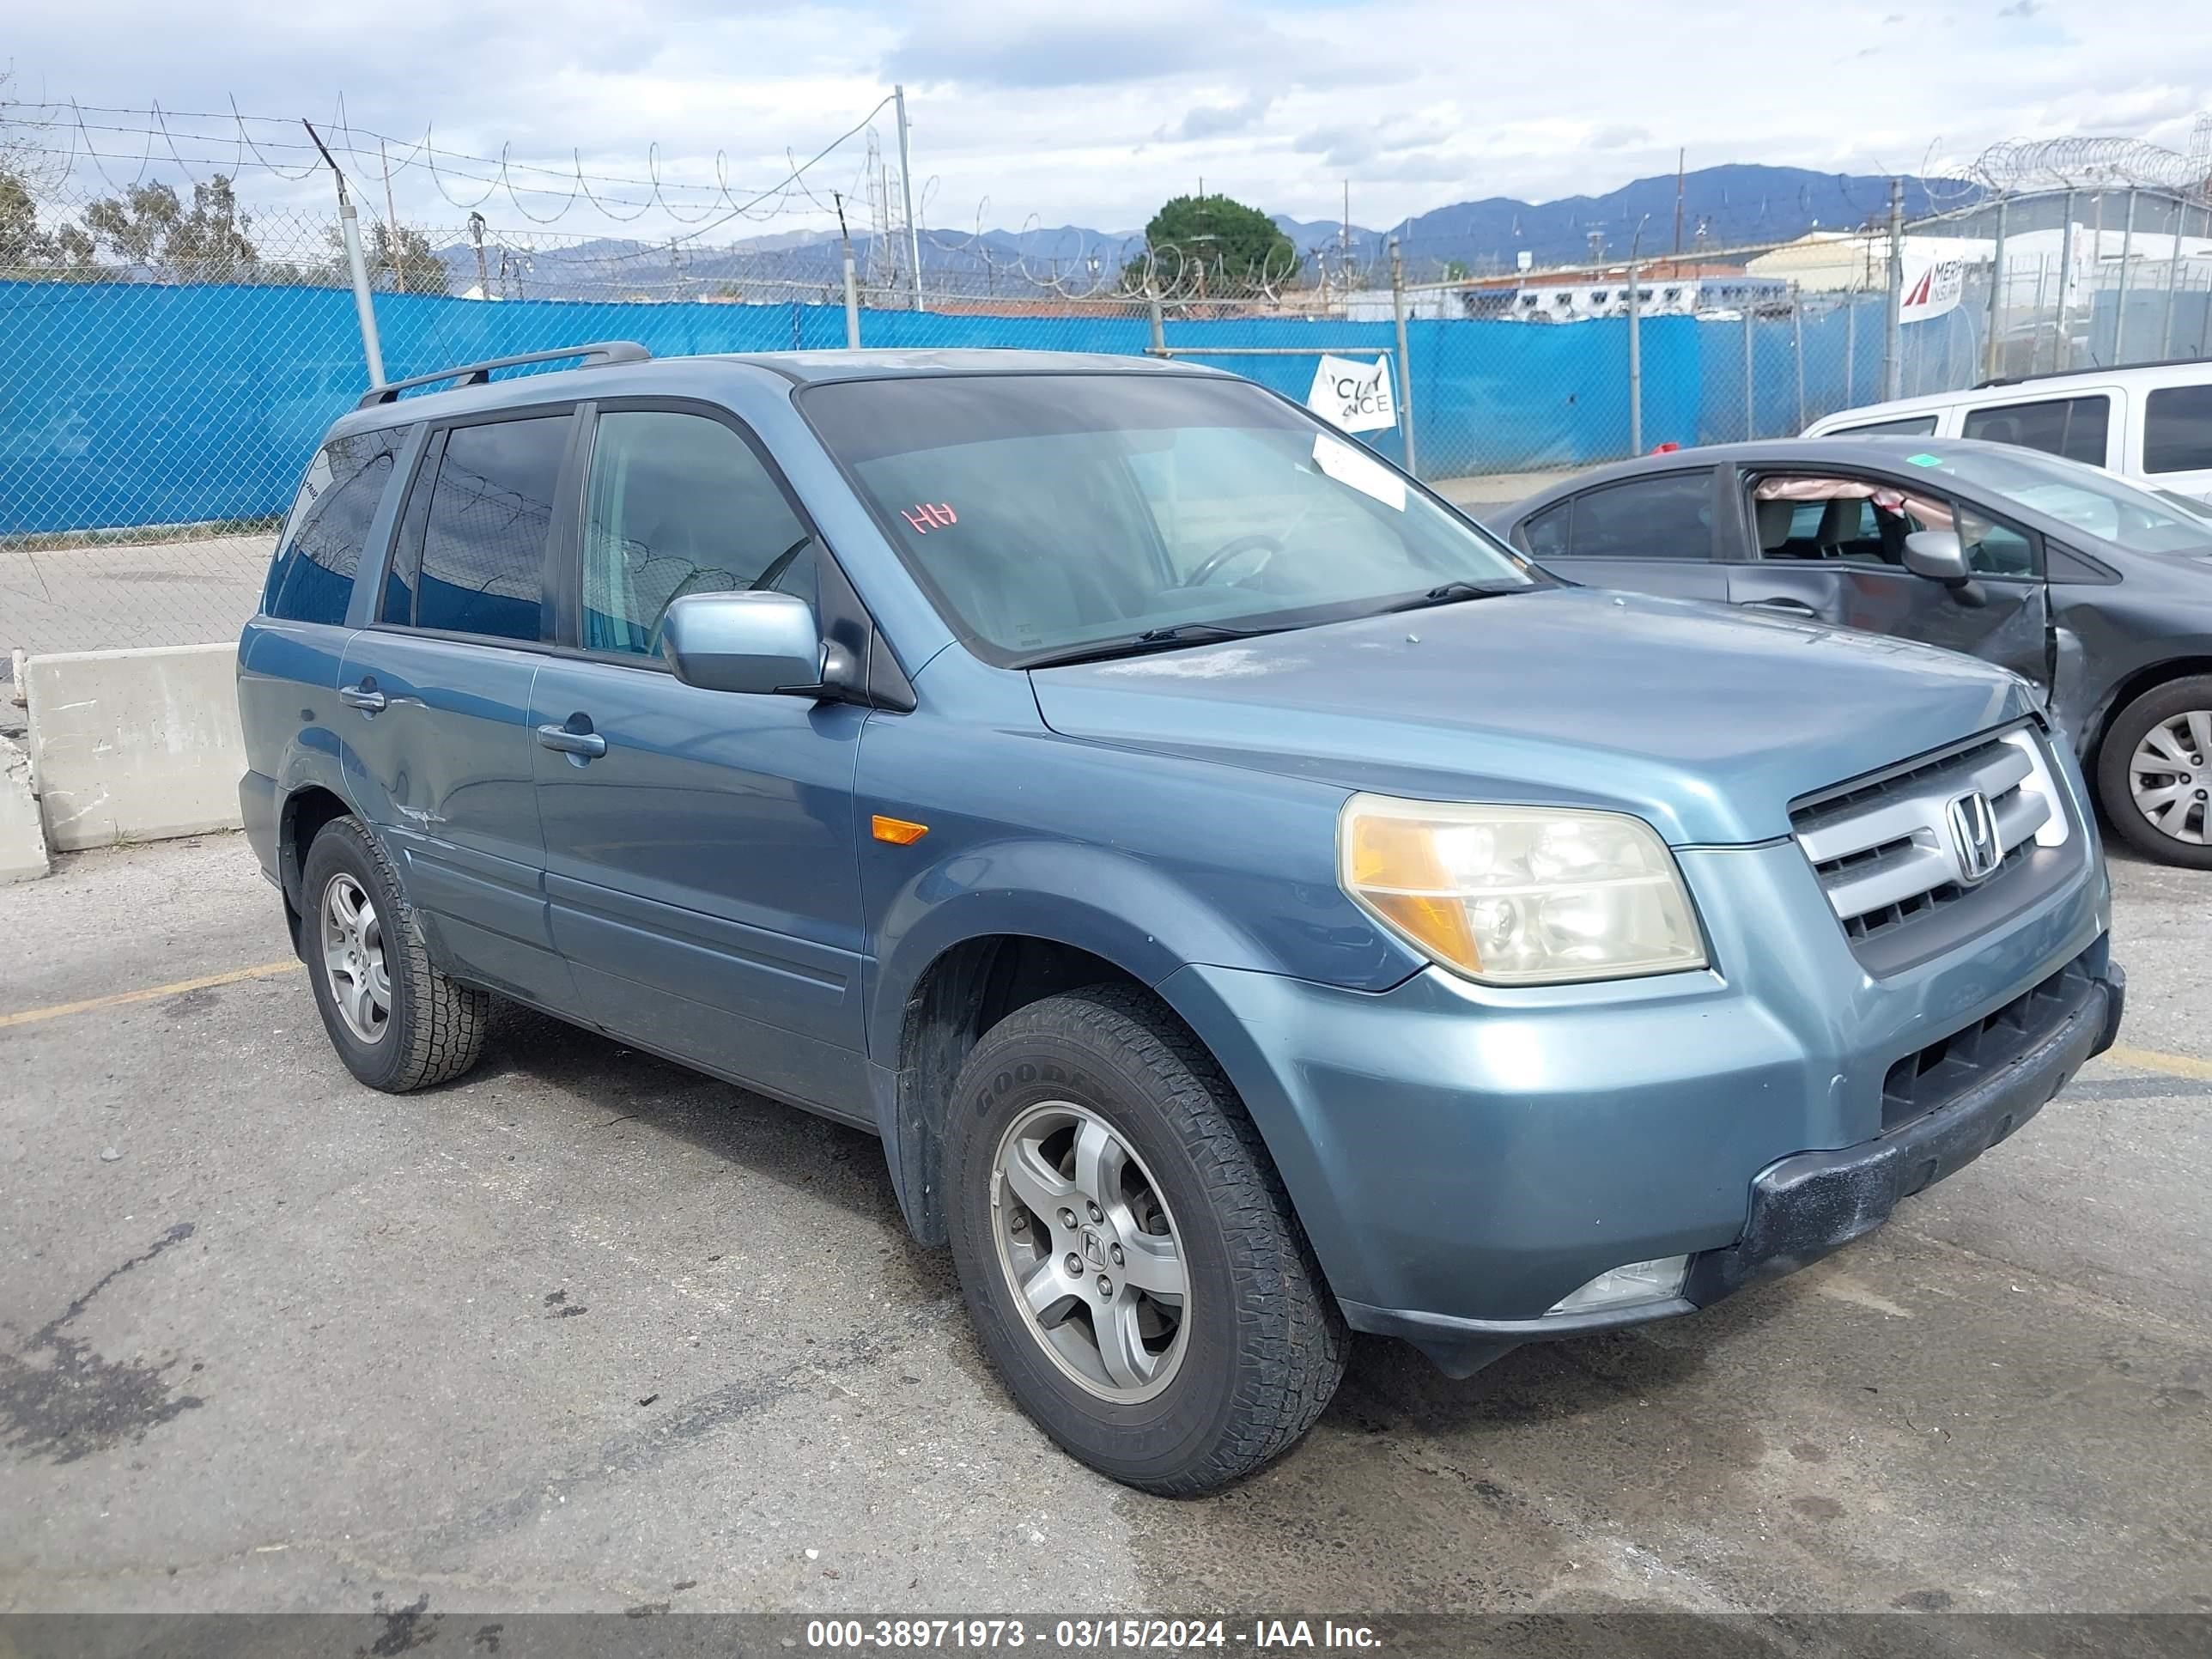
(1127, 1249)
(2154, 772)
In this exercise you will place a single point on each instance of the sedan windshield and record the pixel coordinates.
(1056, 514)
(2094, 501)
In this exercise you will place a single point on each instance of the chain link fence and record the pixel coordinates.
(172, 356)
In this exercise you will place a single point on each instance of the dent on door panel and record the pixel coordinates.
(443, 772)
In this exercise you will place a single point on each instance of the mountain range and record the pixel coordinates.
(1721, 207)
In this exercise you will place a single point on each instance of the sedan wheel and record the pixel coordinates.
(2168, 776)
(2154, 772)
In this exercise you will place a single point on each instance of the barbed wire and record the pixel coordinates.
(101, 136)
(2020, 166)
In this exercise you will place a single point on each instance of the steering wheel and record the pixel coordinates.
(1258, 541)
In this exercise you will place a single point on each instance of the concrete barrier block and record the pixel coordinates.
(135, 745)
(22, 837)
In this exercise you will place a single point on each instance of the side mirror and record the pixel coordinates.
(758, 642)
(1940, 555)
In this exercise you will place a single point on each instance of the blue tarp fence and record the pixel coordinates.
(136, 403)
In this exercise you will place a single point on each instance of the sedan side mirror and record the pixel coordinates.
(1941, 556)
(753, 641)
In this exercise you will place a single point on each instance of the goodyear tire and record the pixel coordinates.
(1133, 1265)
(396, 1022)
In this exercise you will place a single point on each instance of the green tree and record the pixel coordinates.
(418, 263)
(150, 227)
(28, 249)
(408, 253)
(1232, 243)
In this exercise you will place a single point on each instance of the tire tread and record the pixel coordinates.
(1283, 1304)
(447, 1021)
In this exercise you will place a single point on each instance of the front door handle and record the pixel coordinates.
(1795, 607)
(364, 697)
(586, 745)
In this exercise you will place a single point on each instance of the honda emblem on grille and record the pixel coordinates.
(1974, 836)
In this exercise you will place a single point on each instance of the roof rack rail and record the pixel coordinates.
(2094, 368)
(600, 351)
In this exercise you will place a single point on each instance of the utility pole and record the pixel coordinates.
(390, 224)
(475, 235)
(852, 283)
(1993, 348)
(1893, 326)
(1344, 247)
(1405, 369)
(350, 233)
(1681, 159)
(906, 191)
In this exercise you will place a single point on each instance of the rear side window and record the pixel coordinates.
(1545, 536)
(1668, 517)
(311, 580)
(2072, 427)
(2178, 429)
(1909, 426)
(480, 566)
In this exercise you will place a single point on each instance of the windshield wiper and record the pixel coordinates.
(1452, 593)
(1152, 639)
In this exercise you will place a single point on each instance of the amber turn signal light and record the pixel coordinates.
(900, 832)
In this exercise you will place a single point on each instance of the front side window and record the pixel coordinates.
(483, 551)
(1052, 513)
(2083, 498)
(311, 580)
(679, 504)
(1857, 521)
(1668, 517)
(2178, 429)
(2072, 427)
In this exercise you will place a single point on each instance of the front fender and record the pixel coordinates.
(1132, 913)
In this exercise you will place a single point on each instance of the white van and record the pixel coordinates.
(2152, 422)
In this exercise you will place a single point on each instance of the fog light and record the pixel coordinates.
(1620, 1287)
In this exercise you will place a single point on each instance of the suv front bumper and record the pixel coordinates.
(1810, 1204)
(1464, 1157)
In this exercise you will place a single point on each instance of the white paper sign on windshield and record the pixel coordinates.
(1348, 464)
(1353, 395)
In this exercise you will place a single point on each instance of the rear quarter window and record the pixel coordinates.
(2072, 427)
(311, 579)
(2178, 429)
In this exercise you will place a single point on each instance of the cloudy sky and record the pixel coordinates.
(1093, 113)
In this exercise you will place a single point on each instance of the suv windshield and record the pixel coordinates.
(2093, 500)
(1050, 514)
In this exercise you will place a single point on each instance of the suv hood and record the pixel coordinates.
(1705, 724)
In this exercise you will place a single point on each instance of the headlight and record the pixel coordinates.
(1520, 895)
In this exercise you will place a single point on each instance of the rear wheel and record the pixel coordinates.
(2154, 772)
(396, 1022)
(1127, 1249)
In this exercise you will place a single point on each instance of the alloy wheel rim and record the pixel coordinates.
(1090, 1252)
(2169, 777)
(353, 958)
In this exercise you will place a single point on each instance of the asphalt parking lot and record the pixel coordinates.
(587, 1331)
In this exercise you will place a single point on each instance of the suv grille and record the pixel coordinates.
(1936, 1075)
(1892, 859)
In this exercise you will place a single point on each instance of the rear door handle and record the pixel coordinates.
(1795, 607)
(364, 697)
(589, 745)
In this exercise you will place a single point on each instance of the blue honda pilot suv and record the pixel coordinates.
(1248, 901)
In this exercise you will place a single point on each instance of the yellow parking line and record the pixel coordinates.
(2149, 1060)
(32, 1016)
